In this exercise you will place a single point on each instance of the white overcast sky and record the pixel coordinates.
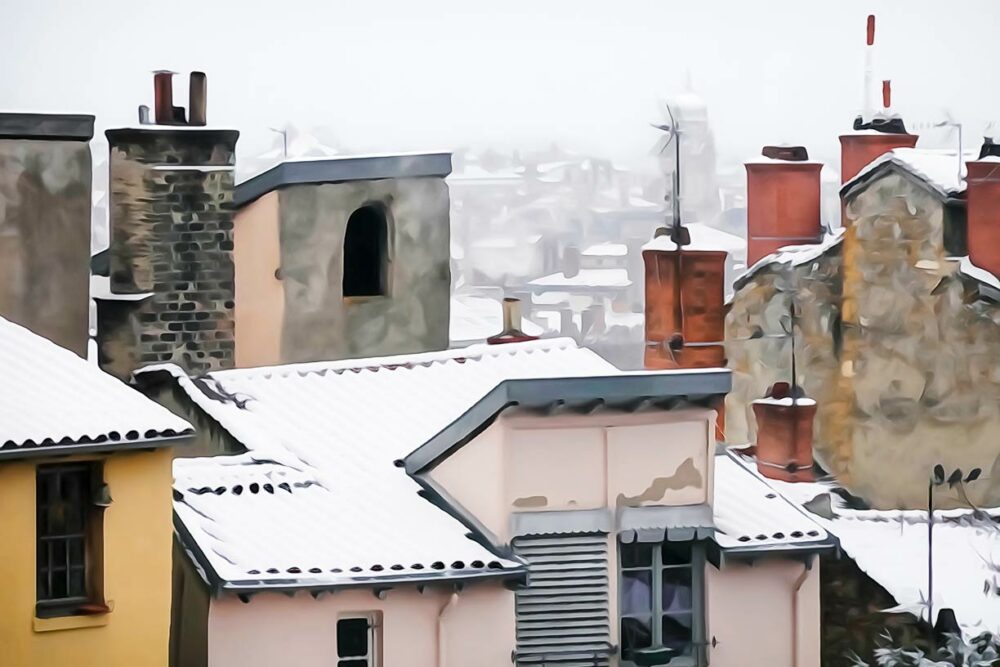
(412, 74)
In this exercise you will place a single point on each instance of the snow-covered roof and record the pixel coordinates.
(982, 275)
(606, 250)
(474, 319)
(337, 429)
(585, 278)
(793, 255)
(890, 546)
(52, 400)
(940, 169)
(749, 515)
(703, 237)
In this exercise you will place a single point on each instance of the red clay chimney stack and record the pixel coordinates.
(784, 434)
(783, 200)
(871, 30)
(983, 208)
(511, 324)
(886, 94)
(163, 104)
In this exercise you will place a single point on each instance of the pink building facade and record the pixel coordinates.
(519, 504)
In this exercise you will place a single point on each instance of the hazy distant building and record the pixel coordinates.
(699, 183)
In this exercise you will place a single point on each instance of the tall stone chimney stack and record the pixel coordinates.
(45, 202)
(983, 208)
(783, 201)
(171, 295)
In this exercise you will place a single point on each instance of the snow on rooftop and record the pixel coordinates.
(890, 546)
(612, 278)
(749, 513)
(703, 237)
(606, 250)
(49, 396)
(793, 255)
(474, 319)
(941, 169)
(982, 275)
(340, 427)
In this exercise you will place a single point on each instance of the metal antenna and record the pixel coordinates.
(677, 232)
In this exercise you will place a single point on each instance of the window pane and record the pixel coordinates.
(635, 633)
(677, 632)
(77, 585)
(676, 553)
(636, 593)
(353, 663)
(636, 554)
(676, 589)
(352, 638)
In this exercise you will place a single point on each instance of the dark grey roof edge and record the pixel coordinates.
(860, 182)
(829, 544)
(342, 169)
(46, 126)
(608, 390)
(69, 449)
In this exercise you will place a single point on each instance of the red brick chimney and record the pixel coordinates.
(874, 134)
(983, 208)
(783, 200)
(685, 304)
(784, 434)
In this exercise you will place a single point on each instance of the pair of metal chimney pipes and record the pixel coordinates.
(164, 111)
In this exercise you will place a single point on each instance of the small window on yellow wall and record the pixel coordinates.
(70, 500)
(357, 641)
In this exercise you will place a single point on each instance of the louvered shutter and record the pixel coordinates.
(562, 615)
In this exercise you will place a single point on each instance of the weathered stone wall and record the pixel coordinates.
(761, 307)
(319, 324)
(895, 345)
(171, 237)
(920, 355)
(45, 237)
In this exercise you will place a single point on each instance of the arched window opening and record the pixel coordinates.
(365, 253)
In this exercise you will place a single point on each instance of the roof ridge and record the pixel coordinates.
(394, 362)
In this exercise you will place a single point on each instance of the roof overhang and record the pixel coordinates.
(107, 446)
(340, 170)
(627, 392)
(46, 127)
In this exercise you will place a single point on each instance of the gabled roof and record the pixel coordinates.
(890, 546)
(338, 435)
(54, 402)
(941, 171)
(341, 168)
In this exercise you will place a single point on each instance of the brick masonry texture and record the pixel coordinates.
(171, 238)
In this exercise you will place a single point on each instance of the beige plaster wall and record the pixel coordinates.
(260, 297)
(750, 614)
(526, 463)
(274, 629)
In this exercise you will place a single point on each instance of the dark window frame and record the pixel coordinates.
(366, 253)
(656, 567)
(73, 487)
(369, 658)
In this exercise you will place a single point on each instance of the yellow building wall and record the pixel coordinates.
(137, 570)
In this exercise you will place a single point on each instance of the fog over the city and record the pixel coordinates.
(547, 107)
(400, 75)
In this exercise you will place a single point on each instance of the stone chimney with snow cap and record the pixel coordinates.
(45, 207)
(171, 292)
(783, 201)
(983, 208)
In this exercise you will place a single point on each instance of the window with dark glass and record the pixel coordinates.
(356, 642)
(366, 253)
(67, 539)
(660, 594)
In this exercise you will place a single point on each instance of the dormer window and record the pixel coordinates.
(366, 256)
